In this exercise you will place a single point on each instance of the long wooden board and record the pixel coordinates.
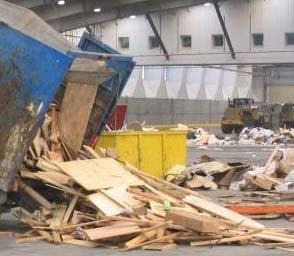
(222, 212)
(95, 174)
(74, 114)
(111, 232)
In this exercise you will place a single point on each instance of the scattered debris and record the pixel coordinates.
(253, 136)
(277, 173)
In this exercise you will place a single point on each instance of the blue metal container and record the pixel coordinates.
(109, 91)
(30, 75)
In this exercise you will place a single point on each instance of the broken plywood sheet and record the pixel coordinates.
(105, 204)
(74, 114)
(95, 174)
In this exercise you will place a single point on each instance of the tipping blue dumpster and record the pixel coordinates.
(32, 67)
(110, 90)
(34, 61)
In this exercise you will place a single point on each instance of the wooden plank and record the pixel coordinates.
(57, 222)
(274, 237)
(70, 209)
(75, 111)
(157, 240)
(7, 234)
(92, 152)
(30, 239)
(222, 212)
(36, 196)
(222, 240)
(111, 232)
(57, 176)
(141, 238)
(199, 181)
(60, 186)
(105, 204)
(257, 209)
(95, 174)
(203, 224)
(160, 246)
(46, 166)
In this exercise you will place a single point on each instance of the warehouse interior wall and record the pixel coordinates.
(188, 82)
(173, 111)
(272, 18)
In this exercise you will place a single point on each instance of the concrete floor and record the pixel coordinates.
(9, 247)
(258, 155)
(248, 154)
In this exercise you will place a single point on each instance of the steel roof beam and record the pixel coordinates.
(224, 28)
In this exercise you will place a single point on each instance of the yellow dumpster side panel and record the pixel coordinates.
(152, 152)
(151, 158)
(127, 148)
(106, 141)
(175, 150)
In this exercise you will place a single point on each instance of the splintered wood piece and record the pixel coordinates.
(222, 240)
(47, 166)
(6, 234)
(59, 177)
(36, 196)
(222, 212)
(194, 222)
(70, 209)
(261, 182)
(64, 188)
(157, 240)
(275, 237)
(164, 183)
(36, 144)
(199, 181)
(45, 234)
(92, 152)
(227, 179)
(111, 232)
(160, 232)
(95, 174)
(271, 158)
(75, 112)
(30, 239)
(160, 246)
(141, 238)
(146, 195)
(57, 222)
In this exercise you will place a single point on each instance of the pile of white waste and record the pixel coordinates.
(248, 136)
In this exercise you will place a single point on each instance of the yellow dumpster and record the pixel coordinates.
(152, 152)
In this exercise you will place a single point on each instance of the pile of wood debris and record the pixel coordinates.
(101, 202)
(97, 201)
(277, 173)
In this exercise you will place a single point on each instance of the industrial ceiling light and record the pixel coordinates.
(207, 4)
(97, 9)
(133, 17)
(61, 2)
